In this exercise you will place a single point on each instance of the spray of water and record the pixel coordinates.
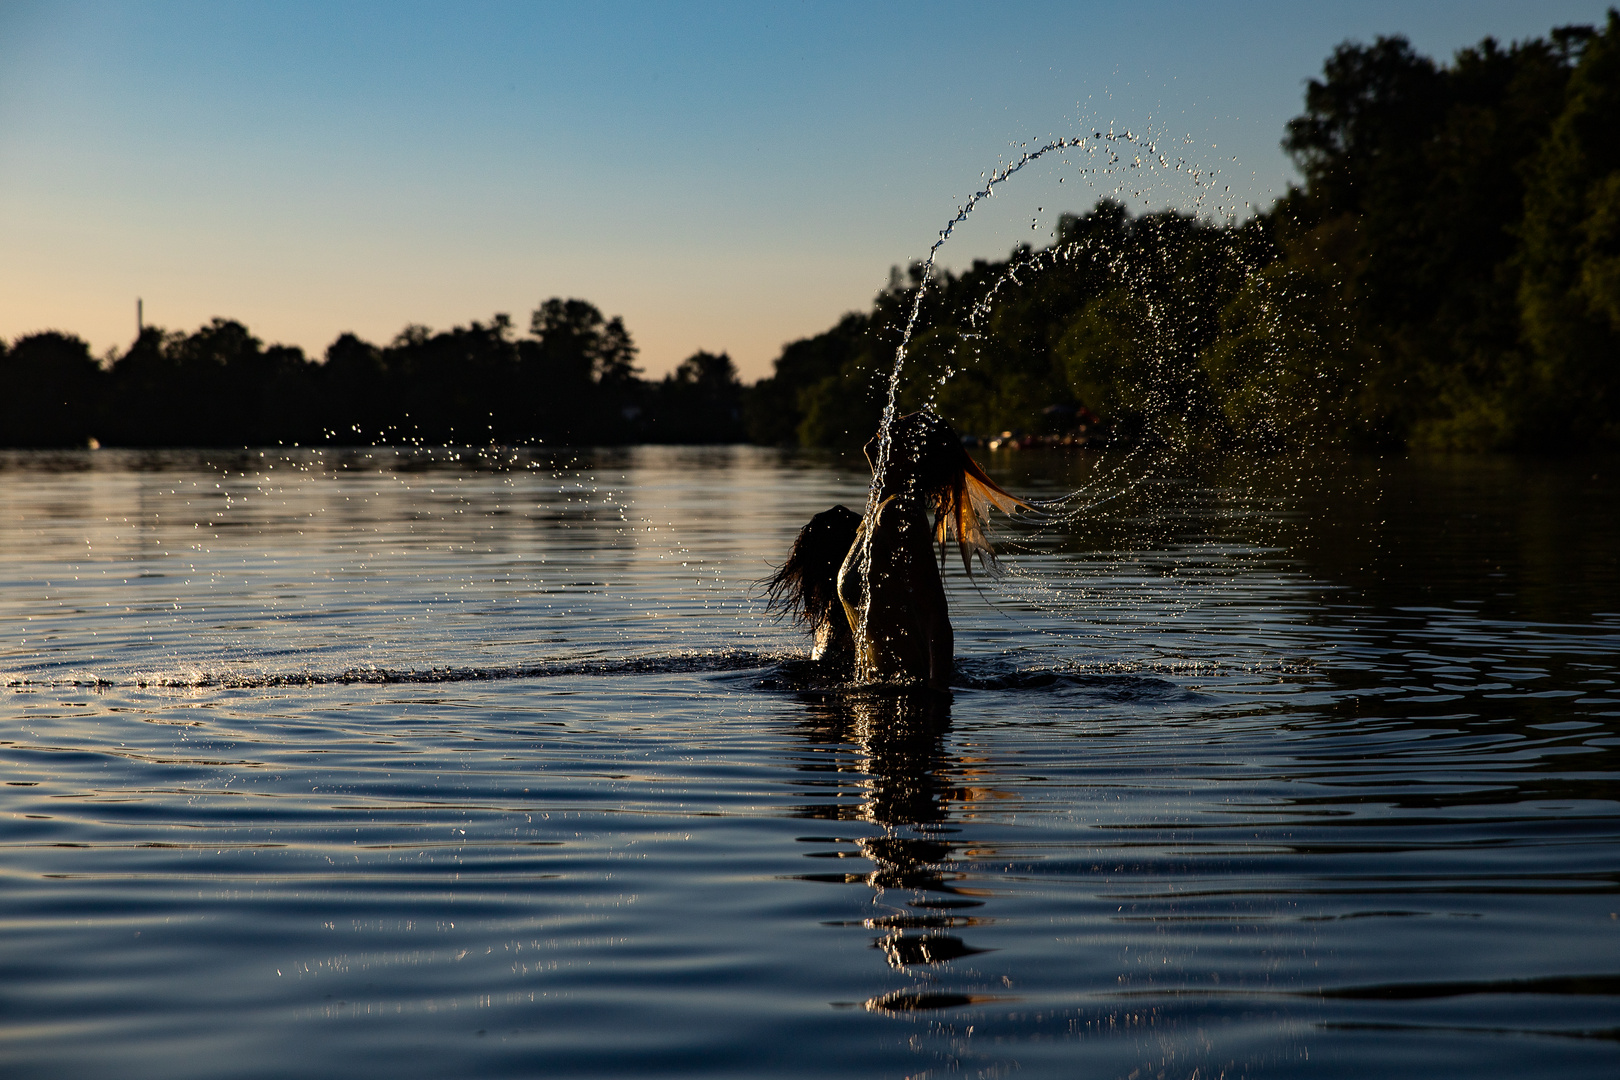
(1121, 476)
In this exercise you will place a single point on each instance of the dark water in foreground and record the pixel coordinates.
(407, 766)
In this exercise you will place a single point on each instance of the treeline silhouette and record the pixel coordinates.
(1447, 276)
(571, 379)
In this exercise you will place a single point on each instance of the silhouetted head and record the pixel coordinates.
(926, 461)
(925, 454)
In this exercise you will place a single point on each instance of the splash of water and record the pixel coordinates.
(1123, 474)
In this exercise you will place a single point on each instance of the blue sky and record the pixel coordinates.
(725, 176)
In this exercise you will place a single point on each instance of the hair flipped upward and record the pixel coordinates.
(926, 456)
(807, 584)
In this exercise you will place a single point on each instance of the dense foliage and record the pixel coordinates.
(1447, 276)
(571, 379)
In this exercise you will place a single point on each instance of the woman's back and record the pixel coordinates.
(894, 598)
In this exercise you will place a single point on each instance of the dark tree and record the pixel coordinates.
(359, 400)
(456, 386)
(1447, 275)
(1570, 292)
(52, 392)
(700, 402)
(1365, 121)
(776, 407)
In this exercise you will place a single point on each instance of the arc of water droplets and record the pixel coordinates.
(1057, 511)
(885, 424)
(962, 213)
(1067, 513)
(890, 405)
(881, 465)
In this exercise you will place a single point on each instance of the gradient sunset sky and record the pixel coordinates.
(725, 176)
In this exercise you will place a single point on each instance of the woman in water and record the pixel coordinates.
(868, 588)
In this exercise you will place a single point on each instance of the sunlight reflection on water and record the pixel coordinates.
(400, 764)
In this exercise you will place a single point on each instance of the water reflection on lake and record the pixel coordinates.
(448, 764)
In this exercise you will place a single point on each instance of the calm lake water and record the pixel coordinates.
(433, 764)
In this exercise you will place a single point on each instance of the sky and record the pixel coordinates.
(728, 177)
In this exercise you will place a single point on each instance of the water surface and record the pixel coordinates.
(455, 764)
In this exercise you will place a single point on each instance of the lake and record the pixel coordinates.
(455, 763)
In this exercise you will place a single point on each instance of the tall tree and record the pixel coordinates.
(52, 391)
(1570, 296)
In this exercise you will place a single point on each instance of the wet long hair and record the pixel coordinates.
(806, 586)
(926, 456)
